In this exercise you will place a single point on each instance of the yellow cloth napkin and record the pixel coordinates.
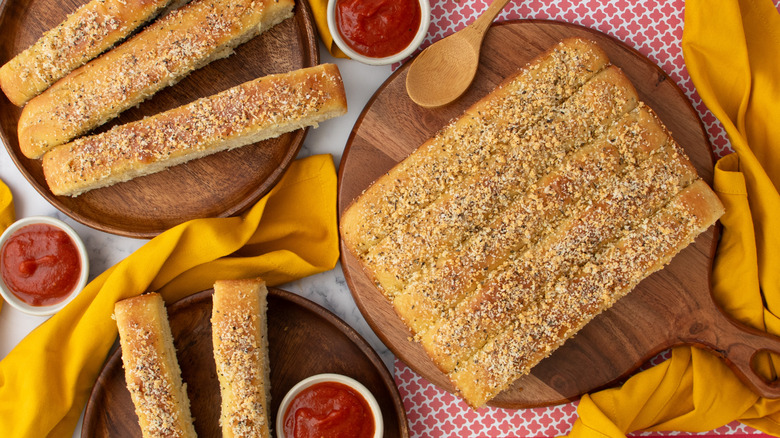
(290, 233)
(732, 51)
(7, 212)
(319, 9)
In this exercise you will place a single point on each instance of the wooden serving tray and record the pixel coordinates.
(220, 185)
(671, 307)
(304, 339)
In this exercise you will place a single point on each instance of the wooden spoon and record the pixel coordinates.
(443, 72)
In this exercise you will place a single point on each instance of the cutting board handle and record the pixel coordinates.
(738, 345)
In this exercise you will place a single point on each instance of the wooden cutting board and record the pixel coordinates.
(671, 307)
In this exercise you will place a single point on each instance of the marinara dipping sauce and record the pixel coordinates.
(40, 264)
(378, 28)
(328, 409)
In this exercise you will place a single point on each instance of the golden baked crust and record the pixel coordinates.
(152, 371)
(617, 195)
(594, 287)
(89, 31)
(240, 338)
(563, 193)
(158, 56)
(465, 145)
(468, 206)
(256, 110)
(549, 228)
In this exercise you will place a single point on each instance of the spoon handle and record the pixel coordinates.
(482, 23)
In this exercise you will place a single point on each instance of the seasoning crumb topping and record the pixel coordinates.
(240, 342)
(160, 55)
(152, 371)
(84, 34)
(239, 347)
(256, 110)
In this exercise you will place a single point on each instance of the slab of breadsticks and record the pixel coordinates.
(466, 144)
(503, 235)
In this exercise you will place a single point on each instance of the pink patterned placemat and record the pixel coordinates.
(654, 28)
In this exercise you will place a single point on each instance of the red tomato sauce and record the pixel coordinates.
(378, 28)
(40, 264)
(328, 409)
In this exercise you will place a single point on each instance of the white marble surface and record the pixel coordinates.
(327, 289)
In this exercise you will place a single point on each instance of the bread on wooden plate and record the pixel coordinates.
(254, 111)
(89, 31)
(152, 371)
(158, 56)
(240, 338)
(503, 235)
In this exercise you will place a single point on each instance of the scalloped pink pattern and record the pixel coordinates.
(654, 28)
(432, 412)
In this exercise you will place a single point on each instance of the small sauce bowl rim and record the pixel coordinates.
(422, 32)
(20, 305)
(330, 377)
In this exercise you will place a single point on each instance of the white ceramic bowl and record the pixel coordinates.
(422, 31)
(319, 378)
(11, 299)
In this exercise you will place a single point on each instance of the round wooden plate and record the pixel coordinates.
(671, 307)
(219, 185)
(304, 339)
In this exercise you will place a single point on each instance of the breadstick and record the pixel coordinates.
(254, 111)
(152, 371)
(240, 338)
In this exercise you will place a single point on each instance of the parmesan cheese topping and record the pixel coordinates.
(241, 358)
(163, 53)
(464, 147)
(254, 111)
(240, 340)
(152, 371)
(86, 33)
(150, 385)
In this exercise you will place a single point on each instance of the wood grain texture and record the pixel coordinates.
(671, 307)
(219, 185)
(304, 339)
